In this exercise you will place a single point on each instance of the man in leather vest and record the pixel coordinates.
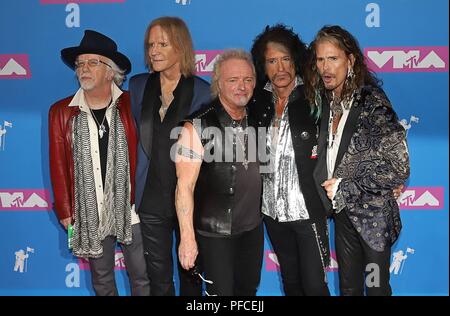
(219, 184)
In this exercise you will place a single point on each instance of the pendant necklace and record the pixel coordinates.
(245, 161)
(101, 126)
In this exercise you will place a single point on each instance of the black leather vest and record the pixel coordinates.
(216, 200)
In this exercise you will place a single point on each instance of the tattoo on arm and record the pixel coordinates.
(188, 153)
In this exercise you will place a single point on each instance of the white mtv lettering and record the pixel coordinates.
(408, 59)
(16, 199)
(408, 199)
(201, 64)
(12, 67)
(119, 260)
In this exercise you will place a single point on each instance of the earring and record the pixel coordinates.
(350, 73)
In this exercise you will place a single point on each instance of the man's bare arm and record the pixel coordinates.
(188, 162)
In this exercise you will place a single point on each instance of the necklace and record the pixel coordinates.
(242, 144)
(101, 126)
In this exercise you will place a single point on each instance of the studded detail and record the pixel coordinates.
(304, 135)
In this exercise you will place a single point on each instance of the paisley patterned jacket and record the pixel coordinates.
(372, 160)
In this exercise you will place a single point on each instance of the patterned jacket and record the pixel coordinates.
(372, 160)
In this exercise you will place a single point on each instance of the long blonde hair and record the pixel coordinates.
(179, 37)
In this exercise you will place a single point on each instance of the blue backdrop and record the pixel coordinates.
(405, 42)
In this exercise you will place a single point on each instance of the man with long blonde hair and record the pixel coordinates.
(160, 100)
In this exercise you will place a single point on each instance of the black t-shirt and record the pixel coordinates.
(103, 141)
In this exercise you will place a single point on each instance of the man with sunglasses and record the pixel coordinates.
(93, 141)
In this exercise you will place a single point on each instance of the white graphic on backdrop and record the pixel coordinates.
(408, 198)
(399, 259)
(3, 131)
(119, 261)
(21, 262)
(407, 124)
(183, 2)
(12, 67)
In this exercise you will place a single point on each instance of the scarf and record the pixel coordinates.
(89, 230)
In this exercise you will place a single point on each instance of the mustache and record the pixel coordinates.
(281, 74)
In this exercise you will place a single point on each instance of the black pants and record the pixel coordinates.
(102, 269)
(299, 256)
(233, 263)
(157, 233)
(356, 261)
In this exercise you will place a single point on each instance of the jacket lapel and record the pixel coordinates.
(149, 102)
(349, 130)
(183, 95)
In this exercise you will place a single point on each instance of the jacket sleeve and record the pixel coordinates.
(59, 172)
(202, 95)
(386, 164)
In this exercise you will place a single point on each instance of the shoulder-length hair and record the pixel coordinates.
(282, 35)
(179, 36)
(314, 87)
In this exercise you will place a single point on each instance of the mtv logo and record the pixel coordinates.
(407, 59)
(25, 200)
(14, 66)
(119, 262)
(205, 60)
(78, 1)
(419, 198)
(271, 260)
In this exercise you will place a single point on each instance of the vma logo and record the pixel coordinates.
(14, 66)
(77, 1)
(21, 263)
(419, 198)
(25, 200)
(399, 259)
(205, 60)
(407, 59)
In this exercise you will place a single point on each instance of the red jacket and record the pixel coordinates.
(61, 159)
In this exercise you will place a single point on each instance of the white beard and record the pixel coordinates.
(87, 84)
(243, 101)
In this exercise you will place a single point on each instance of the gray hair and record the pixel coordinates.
(119, 74)
(234, 53)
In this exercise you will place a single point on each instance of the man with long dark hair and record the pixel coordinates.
(363, 157)
(293, 213)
